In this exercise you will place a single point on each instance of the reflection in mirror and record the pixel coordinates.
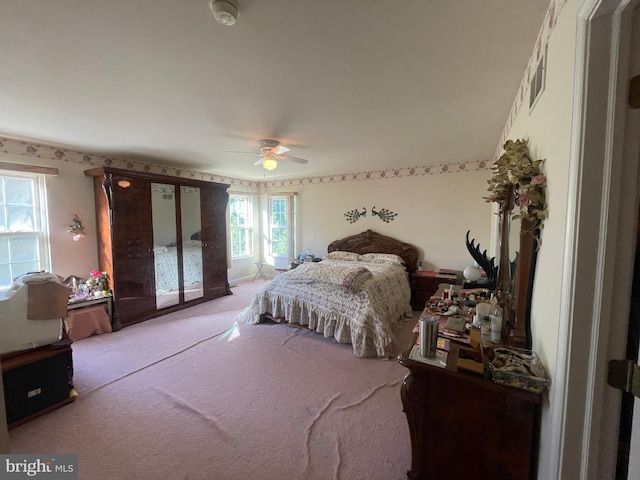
(163, 213)
(514, 243)
(485, 263)
(191, 242)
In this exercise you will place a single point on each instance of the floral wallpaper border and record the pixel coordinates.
(438, 169)
(550, 21)
(50, 152)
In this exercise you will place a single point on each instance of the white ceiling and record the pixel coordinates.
(351, 85)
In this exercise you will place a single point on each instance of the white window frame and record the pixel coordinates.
(281, 260)
(41, 229)
(248, 227)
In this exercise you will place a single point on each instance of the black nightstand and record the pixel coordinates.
(35, 382)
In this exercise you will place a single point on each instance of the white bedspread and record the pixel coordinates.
(166, 268)
(366, 315)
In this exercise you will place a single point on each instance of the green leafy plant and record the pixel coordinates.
(514, 169)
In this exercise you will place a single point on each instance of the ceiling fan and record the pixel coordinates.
(271, 152)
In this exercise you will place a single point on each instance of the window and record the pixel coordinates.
(278, 226)
(23, 246)
(282, 229)
(240, 220)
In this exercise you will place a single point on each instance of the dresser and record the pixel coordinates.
(464, 425)
(161, 240)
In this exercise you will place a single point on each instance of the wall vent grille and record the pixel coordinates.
(537, 84)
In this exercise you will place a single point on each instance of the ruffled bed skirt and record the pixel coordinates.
(367, 340)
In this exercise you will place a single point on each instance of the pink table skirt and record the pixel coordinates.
(84, 322)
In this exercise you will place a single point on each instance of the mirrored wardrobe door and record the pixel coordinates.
(191, 242)
(165, 248)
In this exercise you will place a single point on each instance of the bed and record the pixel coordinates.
(358, 294)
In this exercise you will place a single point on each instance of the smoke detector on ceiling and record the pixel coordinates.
(225, 11)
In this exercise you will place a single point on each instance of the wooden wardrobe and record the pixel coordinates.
(162, 240)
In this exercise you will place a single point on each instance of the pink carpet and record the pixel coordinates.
(192, 395)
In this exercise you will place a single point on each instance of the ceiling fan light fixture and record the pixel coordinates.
(269, 163)
(225, 11)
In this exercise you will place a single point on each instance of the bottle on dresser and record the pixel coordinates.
(484, 309)
(496, 323)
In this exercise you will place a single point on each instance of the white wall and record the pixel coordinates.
(434, 213)
(548, 128)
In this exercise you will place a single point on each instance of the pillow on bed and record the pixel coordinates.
(388, 258)
(352, 282)
(345, 256)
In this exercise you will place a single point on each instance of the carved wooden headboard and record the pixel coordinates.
(372, 242)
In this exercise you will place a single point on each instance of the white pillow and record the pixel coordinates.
(388, 258)
(344, 256)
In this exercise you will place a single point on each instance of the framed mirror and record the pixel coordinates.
(191, 242)
(163, 213)
(518, 186)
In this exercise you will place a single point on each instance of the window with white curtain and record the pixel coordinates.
(240, 223)
(282, 221)
(23, 226)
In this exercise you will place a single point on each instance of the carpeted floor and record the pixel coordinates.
(192, 395)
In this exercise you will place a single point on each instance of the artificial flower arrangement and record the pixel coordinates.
(515, 169)
(98, 281)
(76, 229)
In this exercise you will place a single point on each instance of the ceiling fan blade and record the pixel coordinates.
(280, 149)
(259, 162)
(295, 159)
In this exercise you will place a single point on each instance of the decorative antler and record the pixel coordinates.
(354, 215)
(488, 265)
(384, 214)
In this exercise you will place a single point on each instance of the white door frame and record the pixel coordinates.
(599, 244)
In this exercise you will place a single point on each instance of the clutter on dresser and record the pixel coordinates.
(517, 367)
(476, 326)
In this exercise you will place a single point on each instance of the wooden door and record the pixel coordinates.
(133, 265)
(627, 417)
(214, 241)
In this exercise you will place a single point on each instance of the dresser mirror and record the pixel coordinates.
(191, 220)
(165, 237)
(522, 287)
(519, 189)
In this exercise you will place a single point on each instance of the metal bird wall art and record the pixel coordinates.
(384, 214)
(354, 215)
